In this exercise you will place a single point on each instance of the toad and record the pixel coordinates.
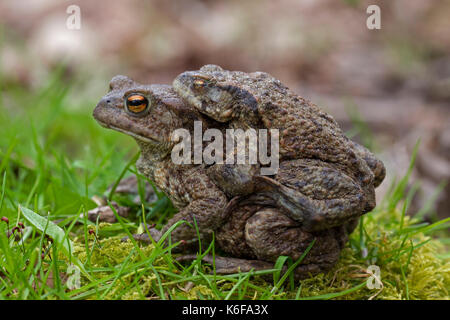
(313, 197)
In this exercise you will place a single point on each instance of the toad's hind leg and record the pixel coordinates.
(271, 234)
(258, 236)
(316, 194)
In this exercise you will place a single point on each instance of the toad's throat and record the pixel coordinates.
(132, 134)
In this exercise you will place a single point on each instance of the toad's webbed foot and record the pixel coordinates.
(228, 265)
(375, 165)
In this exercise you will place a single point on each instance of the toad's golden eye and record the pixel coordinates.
(199, 83)
(136, 103)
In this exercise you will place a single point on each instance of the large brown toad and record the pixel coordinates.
(312, 197)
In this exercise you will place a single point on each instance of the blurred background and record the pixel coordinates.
(387, 87)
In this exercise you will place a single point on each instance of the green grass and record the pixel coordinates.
(54, 158)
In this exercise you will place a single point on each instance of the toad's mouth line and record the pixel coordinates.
(132, 134)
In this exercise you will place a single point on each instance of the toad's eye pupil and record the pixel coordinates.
(137, 103)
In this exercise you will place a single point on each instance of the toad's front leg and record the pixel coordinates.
(203, 214)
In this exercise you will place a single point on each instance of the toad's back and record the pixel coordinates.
(305, 130)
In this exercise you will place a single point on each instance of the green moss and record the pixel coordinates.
(410, 268)
(426, 276)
